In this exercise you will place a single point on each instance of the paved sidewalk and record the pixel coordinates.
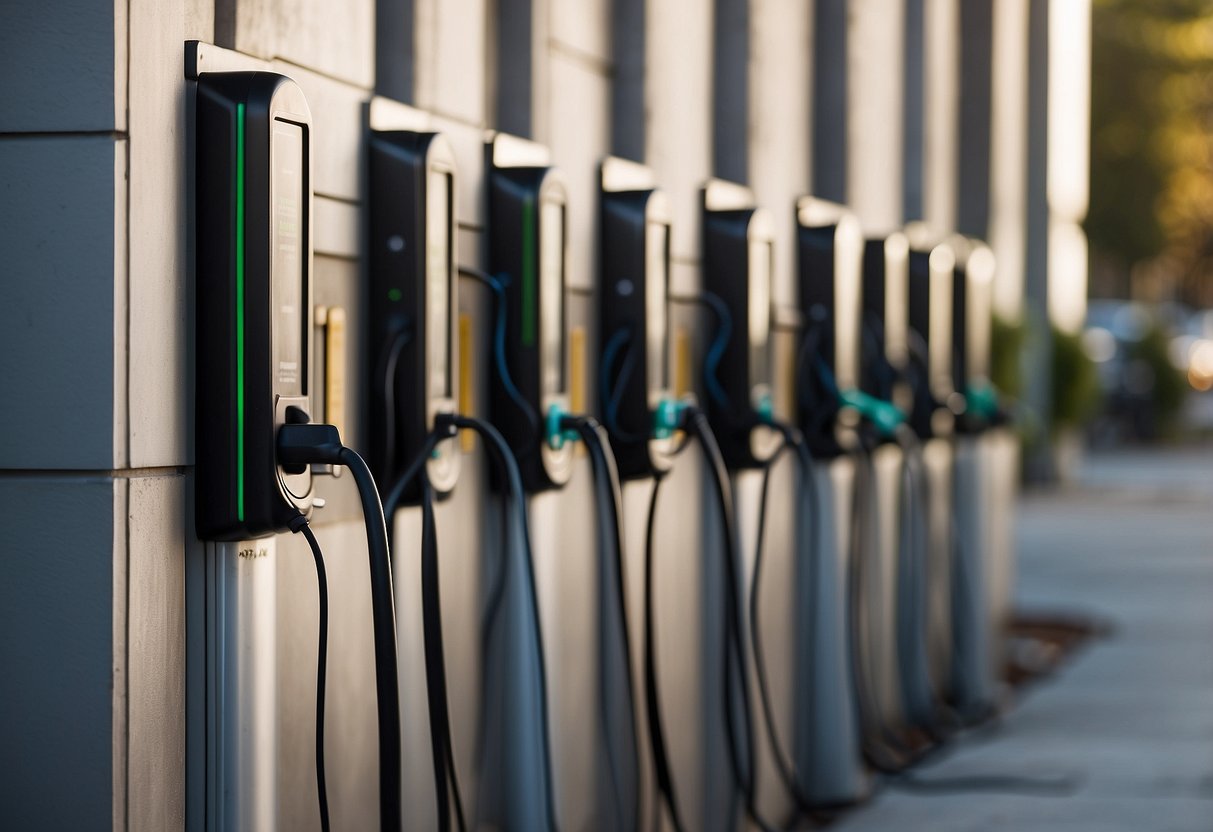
(1129, 721)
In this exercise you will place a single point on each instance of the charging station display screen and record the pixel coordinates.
(438, 282)
(551, 296)
(288, 204)
(657, 259)
(760, 311)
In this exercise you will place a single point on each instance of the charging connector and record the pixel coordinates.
(981, 401)
(884, 416)
(559, 427)
(668, 417)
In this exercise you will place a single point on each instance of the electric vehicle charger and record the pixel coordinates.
(738, 255)
(413, 303)
(634, 393)
(527, 207)
(254, 444)
(639, 416)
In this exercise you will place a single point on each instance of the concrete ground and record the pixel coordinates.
(1125, 729)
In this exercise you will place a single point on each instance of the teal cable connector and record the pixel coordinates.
(555, 433)
(885, 416)
(981, 400)
(765, 409)
(667, 418)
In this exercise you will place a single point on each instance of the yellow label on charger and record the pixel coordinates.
(334, 368)
(682, 362)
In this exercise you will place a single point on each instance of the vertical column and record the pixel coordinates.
(1009, 77)
(1038, 354)
(941, 64)
(731, 95)
(914, 127)
(829, 100)
(779, 122)
(1069, 129)
(875, 50)
(663, 108)
(451, 42)
(395, 49)
(976, 95)
(931, 108)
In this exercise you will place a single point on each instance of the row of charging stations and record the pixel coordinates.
(890, 380)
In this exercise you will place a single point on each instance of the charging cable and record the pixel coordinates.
(610, 493)
(497, 286)
(499, 450)
(736, 665)
(385, 391)
(299, 525)
(309, 444)
(435, 669)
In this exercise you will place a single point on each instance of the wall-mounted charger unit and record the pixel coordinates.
(738, 267)
(829, 246)
(886, 273)
(972, 319)
(527, 205)
(254, 265)
(634, 325)
(412, 304)
(932, 275)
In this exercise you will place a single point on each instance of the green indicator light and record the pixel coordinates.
(529, 277)
(240, 312)
(394, 295)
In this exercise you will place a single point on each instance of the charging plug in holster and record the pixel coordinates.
(884, 416)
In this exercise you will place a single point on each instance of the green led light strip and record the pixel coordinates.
(528, 272)
(240, 312)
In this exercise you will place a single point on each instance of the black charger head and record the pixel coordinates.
(253, 261)
(527, 206)
(829, 246)
(738, 267)
(883, 356)
(412, 304)
(634, 219)
(931, 283)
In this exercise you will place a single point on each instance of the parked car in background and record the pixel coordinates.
(1150, 361)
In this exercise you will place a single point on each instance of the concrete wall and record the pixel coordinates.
(96, 450)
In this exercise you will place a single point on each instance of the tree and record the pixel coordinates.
(1152, 142)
